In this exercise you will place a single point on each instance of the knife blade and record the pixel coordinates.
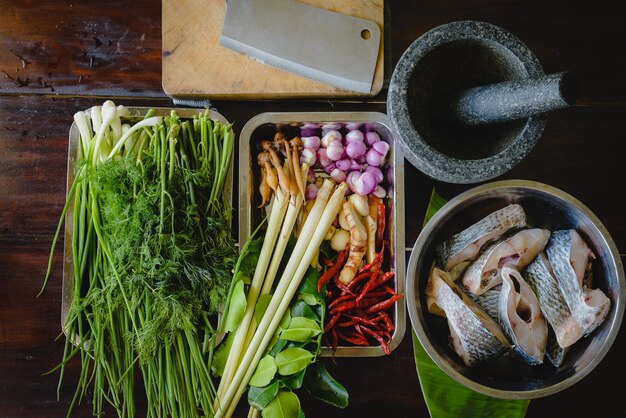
(334, 48)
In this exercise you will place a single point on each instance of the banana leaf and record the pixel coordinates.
(446, 398)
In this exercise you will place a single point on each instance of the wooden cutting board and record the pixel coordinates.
(195, 66)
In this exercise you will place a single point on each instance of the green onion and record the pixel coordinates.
(152, 259)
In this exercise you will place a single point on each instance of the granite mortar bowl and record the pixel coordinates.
(546, 207)
(439, 64)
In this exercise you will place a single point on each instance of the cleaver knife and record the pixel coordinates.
(315, 43)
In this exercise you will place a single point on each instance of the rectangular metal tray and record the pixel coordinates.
(263, 126)
(134, 112)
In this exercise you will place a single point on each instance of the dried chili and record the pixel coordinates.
(330, 273)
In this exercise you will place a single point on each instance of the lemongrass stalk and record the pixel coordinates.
(298, 251)
(277, 256)
(253, 412)
(283, 238)
(275, 220)
(316, 226)
(325, 221)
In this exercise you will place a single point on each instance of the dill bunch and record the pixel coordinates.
(153, 256)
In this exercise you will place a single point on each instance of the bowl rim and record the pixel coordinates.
(456, 170)
(411, 294)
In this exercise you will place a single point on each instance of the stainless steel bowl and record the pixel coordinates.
(546, 207)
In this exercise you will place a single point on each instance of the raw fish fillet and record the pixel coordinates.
(474, 335)
(517, 251)
(466, 244)
(520, 316)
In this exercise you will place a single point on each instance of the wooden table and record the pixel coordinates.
(59, 57)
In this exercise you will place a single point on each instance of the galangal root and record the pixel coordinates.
(358, 244)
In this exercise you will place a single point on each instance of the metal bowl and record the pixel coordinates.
(546, 207)
(264, 126)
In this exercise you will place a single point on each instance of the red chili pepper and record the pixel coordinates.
(359, 277)
(378, 338)
(362, 320)
(389, 290)
(367, 302)
(328, 274)
(386, 320)
(340, 299)
(346, 324)
(381, 223)
(384, 305)
(327, 262)
(345, 290)
(377, 294)
(383, 278)
(378, 260)
(331, 323)
(353, 340)
(334, 339)
(369, 286)
(342, 307)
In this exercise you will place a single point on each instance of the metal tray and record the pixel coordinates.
(134, 112)
(263, 126)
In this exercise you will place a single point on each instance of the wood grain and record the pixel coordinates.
(196, 66)
(580, 152)
(80, 48)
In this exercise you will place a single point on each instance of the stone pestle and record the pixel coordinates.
(468, 101)
(515, 99)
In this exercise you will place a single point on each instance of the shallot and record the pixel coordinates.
(335, 150)
(376, 172)
(329, 137)
(344, 164)
(370, 138)
(354, 136)
(322, 158)
(374, 158)
(364, 184)
(311, 142)
(356, 149)
(338, 175)
(311, 191)
(308, 156)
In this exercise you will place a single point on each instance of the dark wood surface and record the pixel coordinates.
(60, 57)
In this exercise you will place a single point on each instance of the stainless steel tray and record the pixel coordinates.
(263, 126)
(66, 291)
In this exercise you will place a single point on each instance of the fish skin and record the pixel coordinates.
(541, 279)
(466, 244)
(529, 337)
(475, 336)
(488, 301)
(517, 250)
(554, 352)
(569, 255)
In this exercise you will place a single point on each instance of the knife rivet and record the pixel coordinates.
(366, 34)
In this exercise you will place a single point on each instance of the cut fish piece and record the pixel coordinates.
(554, 352)
(569, 256)
(475, 336)
(540, 277)
(466, 244)
(517, 250)
(521, 318)
(489, 301)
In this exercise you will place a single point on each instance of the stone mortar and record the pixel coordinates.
(439, 64)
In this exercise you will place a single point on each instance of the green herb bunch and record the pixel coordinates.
(291, 361)
(152, 258)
